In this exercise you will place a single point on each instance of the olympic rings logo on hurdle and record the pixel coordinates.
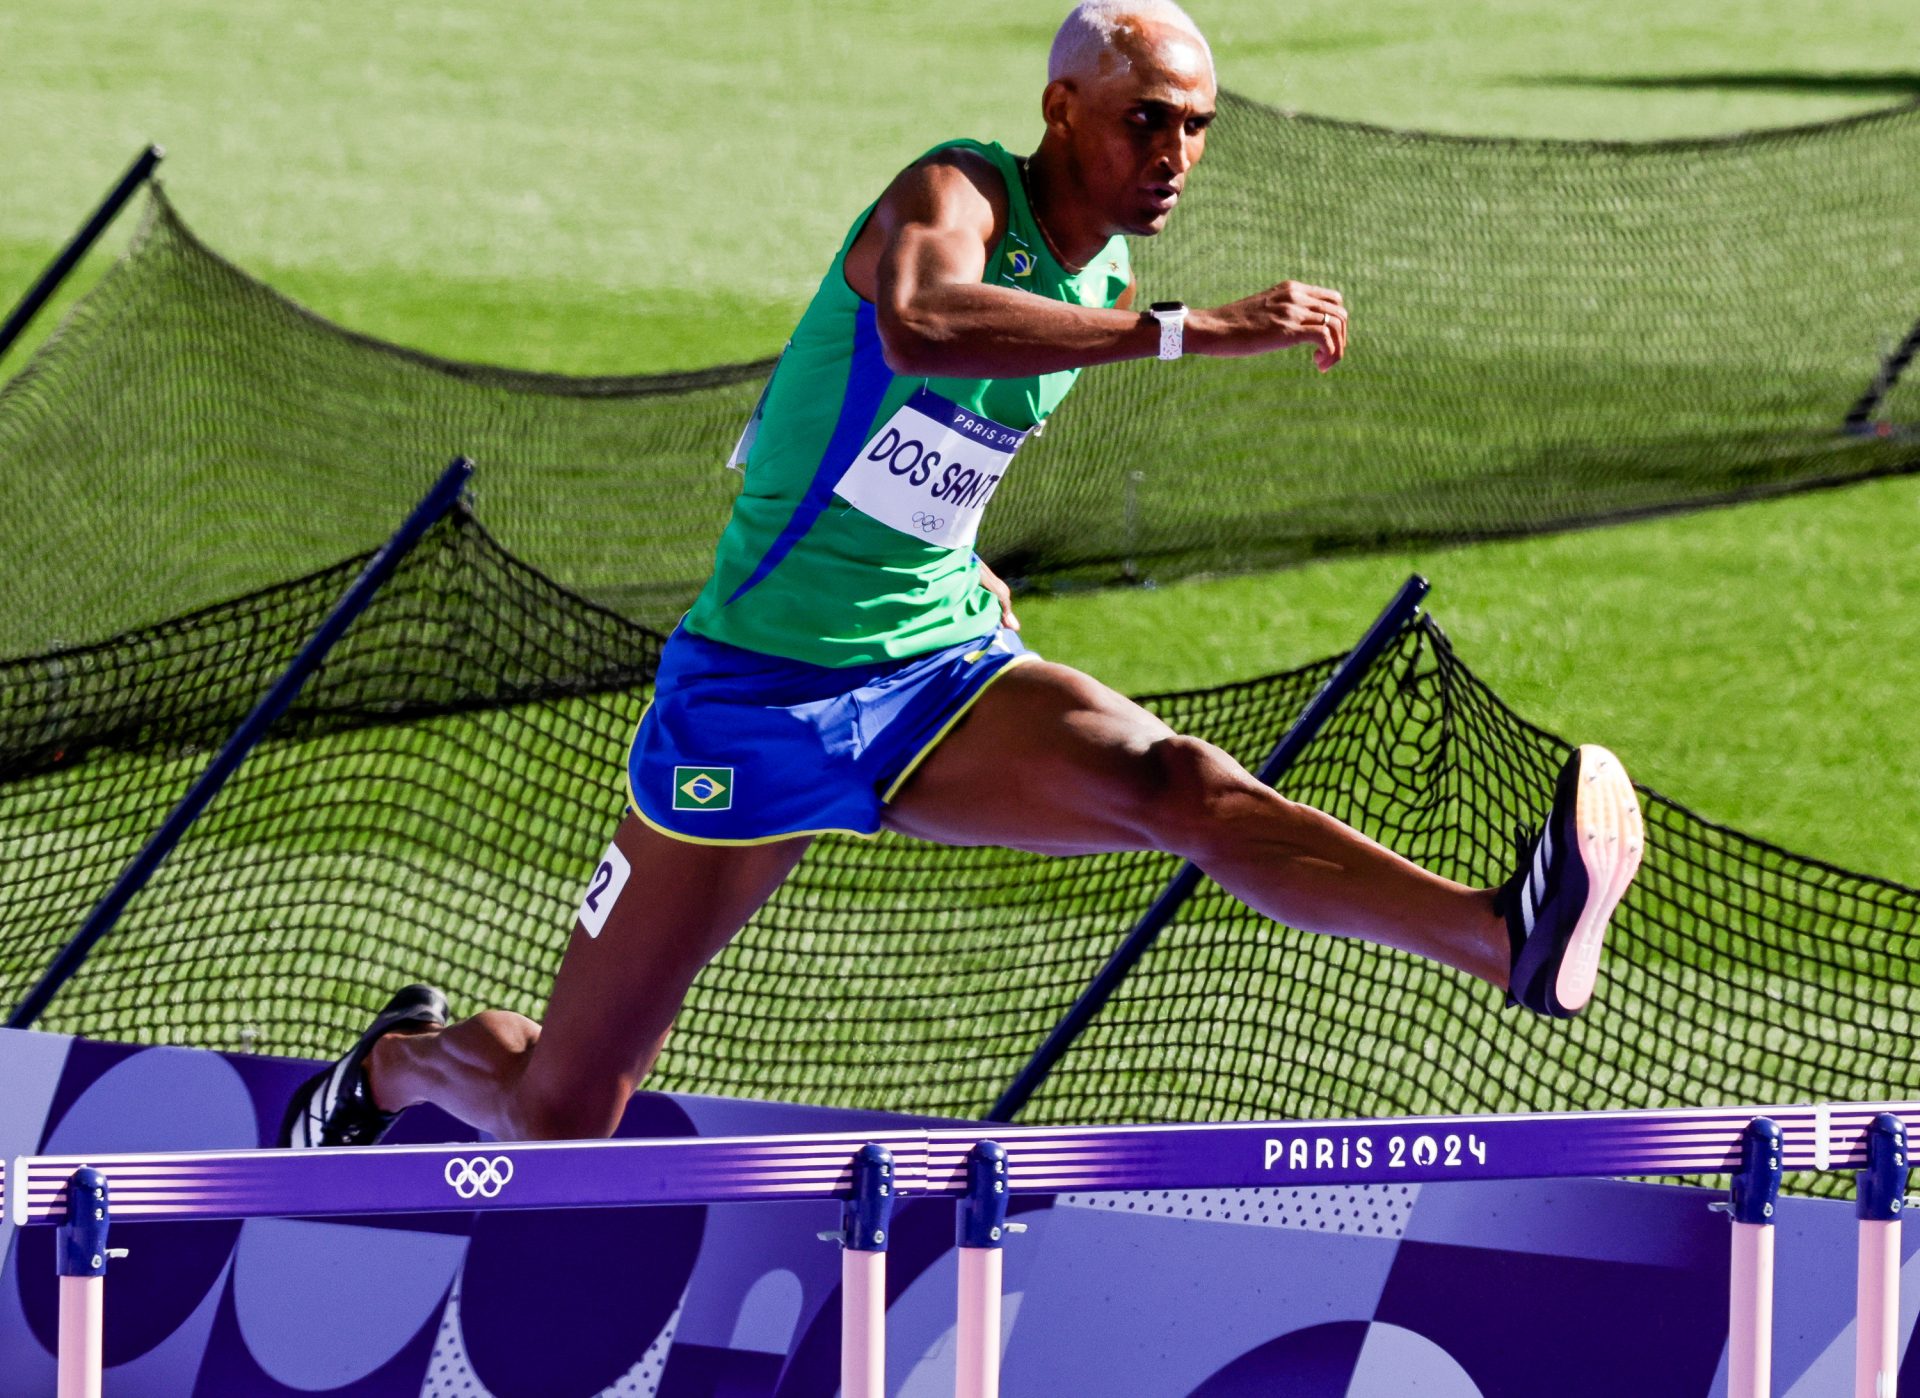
(479, 1177)
(928, 523)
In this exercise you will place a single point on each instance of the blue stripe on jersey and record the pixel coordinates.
(868, 378)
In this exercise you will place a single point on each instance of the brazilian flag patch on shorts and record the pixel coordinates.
(702, 788)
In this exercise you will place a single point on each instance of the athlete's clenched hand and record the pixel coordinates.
(990, 580)
(1292, 313)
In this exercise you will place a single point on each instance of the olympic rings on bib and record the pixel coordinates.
(479, 1177)
(928, 523)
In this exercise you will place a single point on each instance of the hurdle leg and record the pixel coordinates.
(1750, 1315)
(977, 1336)
(863, 1323)
(81, 1301)
(1881, 1191)
(1756, 1188)
(983, 1234)
(1877, 1358)
(863, 1274)
(81, 1256)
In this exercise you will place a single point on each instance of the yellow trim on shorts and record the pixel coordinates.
(1018, 657)
(634, 805)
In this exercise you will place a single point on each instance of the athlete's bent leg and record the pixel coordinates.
(569, 1076)
(1053, 761)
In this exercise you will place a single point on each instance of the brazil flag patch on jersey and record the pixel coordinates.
(702, 788)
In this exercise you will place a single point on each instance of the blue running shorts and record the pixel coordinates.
(740, 748)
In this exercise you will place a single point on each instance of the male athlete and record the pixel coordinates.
(852, 666)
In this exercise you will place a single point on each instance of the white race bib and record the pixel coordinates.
(930, 470)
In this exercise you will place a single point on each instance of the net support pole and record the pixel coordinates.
(1880, 1197)
(22, 315)
(1756, 1189)
(1859, 417)
(1386, 628)
(864, 1220)
(107, 911)
(983, 1230)
(80, 1256)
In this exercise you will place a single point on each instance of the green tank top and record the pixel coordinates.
(851, 541)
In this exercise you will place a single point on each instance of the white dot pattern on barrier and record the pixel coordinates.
(450, 1371)
(1364, 1210)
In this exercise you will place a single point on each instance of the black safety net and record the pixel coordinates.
(432, 807)
(1545, 334)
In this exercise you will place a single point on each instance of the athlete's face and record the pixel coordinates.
(1135, 129)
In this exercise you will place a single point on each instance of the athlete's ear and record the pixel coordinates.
(1057, 104)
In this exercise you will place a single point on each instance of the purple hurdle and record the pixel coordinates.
(866, 1174)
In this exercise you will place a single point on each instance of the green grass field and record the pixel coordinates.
(597, 188)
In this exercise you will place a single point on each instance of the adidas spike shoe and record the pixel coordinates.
(1568, 880)
(335, 1107)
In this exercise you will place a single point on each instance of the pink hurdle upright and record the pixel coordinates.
(1879, 1202)
(1756, 1190)
(982, 1238)
(82, 1255)
(864, 1220)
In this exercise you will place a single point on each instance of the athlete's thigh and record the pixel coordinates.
(620, 986)
(1048, 759)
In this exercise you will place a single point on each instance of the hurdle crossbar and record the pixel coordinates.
(179, 1187)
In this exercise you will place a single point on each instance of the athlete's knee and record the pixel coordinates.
(1200, 800)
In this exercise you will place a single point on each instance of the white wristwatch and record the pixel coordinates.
(1172, 316)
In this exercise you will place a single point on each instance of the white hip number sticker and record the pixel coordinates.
(609, 877)
(930, 470)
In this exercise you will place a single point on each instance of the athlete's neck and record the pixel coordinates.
(1069, 224)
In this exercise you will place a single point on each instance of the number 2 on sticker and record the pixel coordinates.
(603, 890)
(601, 878)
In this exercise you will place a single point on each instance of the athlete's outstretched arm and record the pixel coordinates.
(922, 254)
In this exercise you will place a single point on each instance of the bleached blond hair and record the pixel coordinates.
(1088, 32)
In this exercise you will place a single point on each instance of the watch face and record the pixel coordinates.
(1159, 306)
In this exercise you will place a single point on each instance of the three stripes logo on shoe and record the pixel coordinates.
(702, 788)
